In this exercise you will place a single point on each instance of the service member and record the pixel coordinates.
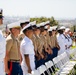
(2, 44)
(2, 52)
(61, 40)
(53, 43)
(13, 56)
(68, 40)
(33, 24)
(27, 50)
(39, 53)
(48, 50)
(23, 23)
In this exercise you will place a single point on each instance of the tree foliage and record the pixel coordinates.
(53, 22)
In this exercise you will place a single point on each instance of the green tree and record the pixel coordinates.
(53, 22)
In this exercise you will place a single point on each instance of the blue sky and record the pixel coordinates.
(37, 8)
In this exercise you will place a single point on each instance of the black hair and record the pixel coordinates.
(46, 29)
(24, 31)
(50, 33)
(34, 27)
(29, 28)
(60, 31)
(21, 24)
(42, 30)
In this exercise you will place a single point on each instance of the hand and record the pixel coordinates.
(42, 56)
(58, 47)
(51, 52)
(29, 70)
(7, 71)
(36, 54)
(65, 46)
(20, 61)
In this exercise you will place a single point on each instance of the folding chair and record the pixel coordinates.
(50, 67)
(35, 72)
(67, 64)
(42, 70)
(66, 61)
(64, 58)
(57, 62)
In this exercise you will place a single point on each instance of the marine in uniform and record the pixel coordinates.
(39, 53)
(13, 55)
(53, 43)
(47, 48)
(47, 27)
(23, 23)
(33, 24)
(27, 50)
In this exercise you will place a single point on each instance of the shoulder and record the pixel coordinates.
(25, 41)
(59, 37)
(21, 34)
(9, 39)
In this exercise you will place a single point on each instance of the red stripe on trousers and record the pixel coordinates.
(10, 68)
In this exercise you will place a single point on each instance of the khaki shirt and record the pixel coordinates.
(39, 44)
(12, 45)
(44, 39)
(34, 42)
(21, 36)
(53, 41)
(48, 38)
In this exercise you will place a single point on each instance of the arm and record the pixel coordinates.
(6, 59)
(6, 62)
(19, 53)
(57, 45)
(27, 60)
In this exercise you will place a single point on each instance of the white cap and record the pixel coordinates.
(33, 23)
(67, 29)
(25, 20)
(14, 25)
(46, 27)
(42, 24)
(27, 26)
(53, 27)
(62, 27)
(47, 22)
(38, 25)
(50, 29)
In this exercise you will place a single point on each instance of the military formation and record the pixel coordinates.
(29, 45)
